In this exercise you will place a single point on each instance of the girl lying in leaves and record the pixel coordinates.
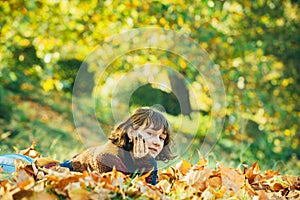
(134, 146)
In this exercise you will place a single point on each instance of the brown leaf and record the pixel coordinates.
(262, 195)
(277, 187)
(252, 172)
(294, 194)
(231, 179)
(214, 181)
(169, 174)
(251, 192)
(23, 194)
(164, 186)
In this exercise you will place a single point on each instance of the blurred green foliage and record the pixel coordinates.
(255, 44)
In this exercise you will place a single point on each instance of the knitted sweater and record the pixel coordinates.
(104, 158)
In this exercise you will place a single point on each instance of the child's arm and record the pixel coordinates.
(106, 162)
(101, 159)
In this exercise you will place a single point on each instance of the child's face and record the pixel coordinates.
(154, 139)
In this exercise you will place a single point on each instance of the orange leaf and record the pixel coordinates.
(202, 163)
(214, 181)
(252, 172)
(183, 166)
(220, 193)
(144, 176)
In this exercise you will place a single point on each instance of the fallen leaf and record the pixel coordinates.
(294, 194)
(220, 193)
(79, 194)
(23, 194)
(24, 181)
(43, 196)
(252, 172)
(207, 195)
(44, 161)
(164, 185)
(198, 179)
(183, 181)
(183, 166)
(201, 164)
(31, 152)
(231, 179)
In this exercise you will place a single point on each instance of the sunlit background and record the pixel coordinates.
(254, 44)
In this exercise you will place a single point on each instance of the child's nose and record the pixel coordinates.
(156, 141)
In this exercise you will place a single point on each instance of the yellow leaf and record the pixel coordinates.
(183, 166)
(79, 194)
(201, 163)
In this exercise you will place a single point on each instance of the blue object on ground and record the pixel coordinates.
(68, 164)
(7, 161)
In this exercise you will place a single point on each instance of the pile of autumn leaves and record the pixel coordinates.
(183, 181)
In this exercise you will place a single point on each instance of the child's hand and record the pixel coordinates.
(140, 147)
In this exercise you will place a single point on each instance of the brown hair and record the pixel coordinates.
(143, 116)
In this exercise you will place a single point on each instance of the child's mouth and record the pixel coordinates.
(152, 150)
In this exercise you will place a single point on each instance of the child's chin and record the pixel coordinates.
(153, 155)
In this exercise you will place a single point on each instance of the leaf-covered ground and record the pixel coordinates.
(44, 179)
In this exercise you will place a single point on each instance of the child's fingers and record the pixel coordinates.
(145, 147)
(140, 144)
(140, 148)
(135, 146)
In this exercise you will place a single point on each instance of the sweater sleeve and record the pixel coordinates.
(104, 158)
(106, 162)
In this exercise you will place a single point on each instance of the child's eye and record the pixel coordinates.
(149, 133)
(162, 138)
